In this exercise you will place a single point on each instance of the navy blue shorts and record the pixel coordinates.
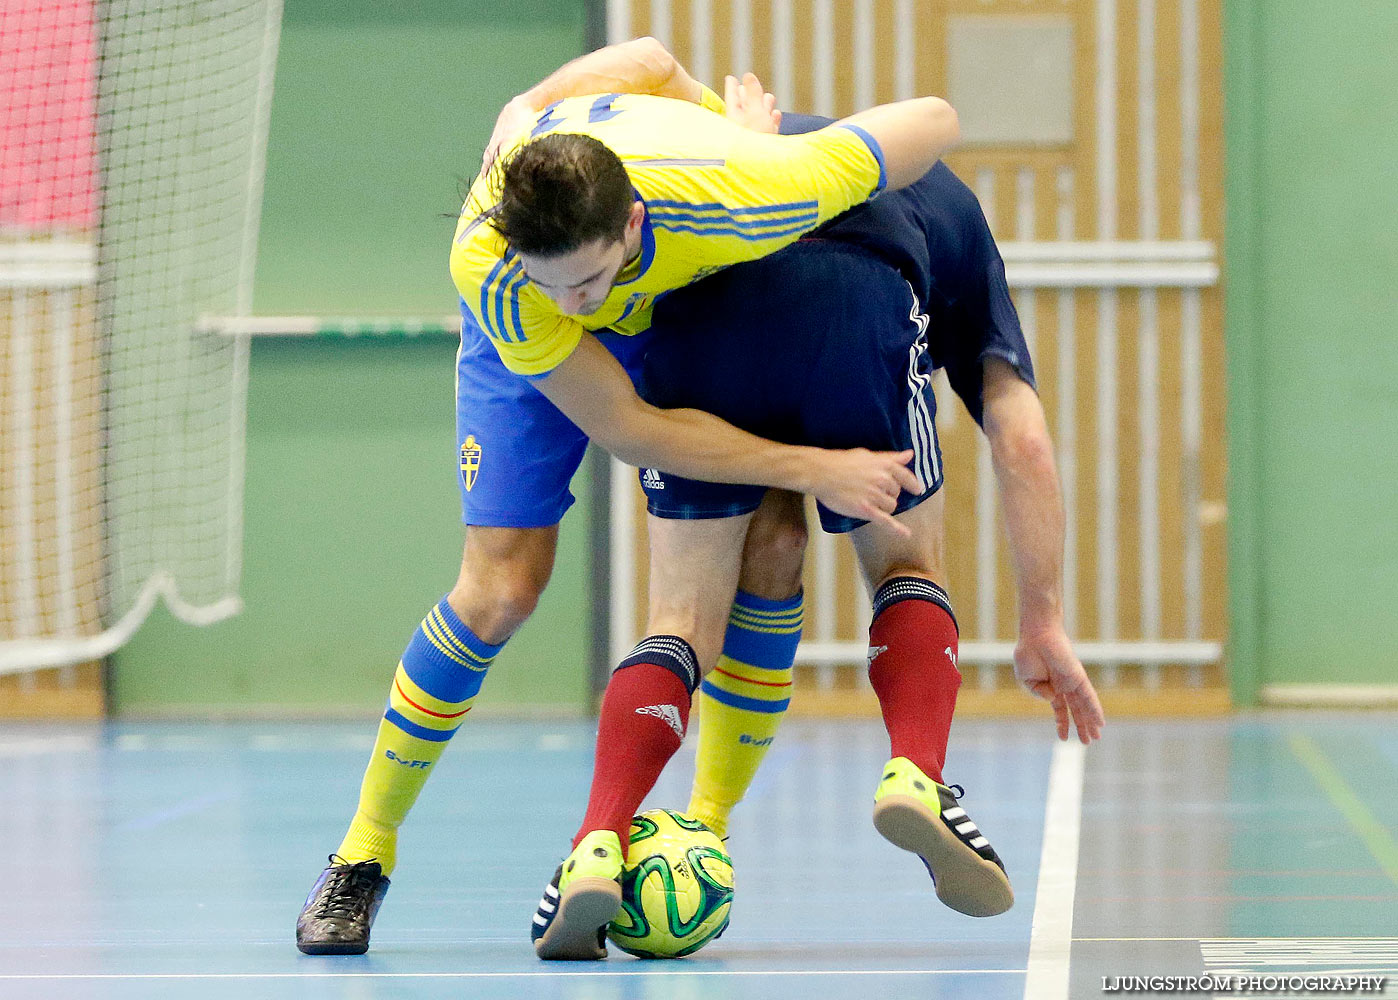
(819, 344)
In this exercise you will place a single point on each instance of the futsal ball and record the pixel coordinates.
(676, 888)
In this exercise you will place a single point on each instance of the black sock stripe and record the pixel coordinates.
(668, 651)
(912, 588)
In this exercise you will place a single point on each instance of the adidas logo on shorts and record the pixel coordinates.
(651, 480)
(669, 713)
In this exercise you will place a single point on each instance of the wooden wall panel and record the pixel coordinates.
(1033, 194)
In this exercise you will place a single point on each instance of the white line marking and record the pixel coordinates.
(515, 975)
(1199, 939)
(1051, 939)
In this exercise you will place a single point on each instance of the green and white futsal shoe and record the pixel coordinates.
(581, 900)
(915, 813)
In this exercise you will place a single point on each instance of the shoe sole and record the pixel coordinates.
(332, 948)
(965, 881)
(589, 904)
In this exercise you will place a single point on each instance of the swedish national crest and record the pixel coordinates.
(470, 461)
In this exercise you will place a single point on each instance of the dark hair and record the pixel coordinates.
(559, 192)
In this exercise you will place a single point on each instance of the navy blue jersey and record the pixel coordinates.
(934, 234)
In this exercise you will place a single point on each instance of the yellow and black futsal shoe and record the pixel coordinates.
(915, 813)
(340, 909)
(581, 900)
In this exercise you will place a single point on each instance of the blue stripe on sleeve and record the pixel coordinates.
(874, 148)
(714, 206)
(515, 331)
(485, 295)
(677, 216)
(751, 237)
(501, 290)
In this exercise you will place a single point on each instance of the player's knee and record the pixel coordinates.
(496, 599)
(781, 542)
(773, 554)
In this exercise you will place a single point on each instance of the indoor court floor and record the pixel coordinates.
(159, 860)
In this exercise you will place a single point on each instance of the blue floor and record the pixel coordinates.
(170, 861)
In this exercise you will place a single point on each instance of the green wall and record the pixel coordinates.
(1312, 265)
(352, 518)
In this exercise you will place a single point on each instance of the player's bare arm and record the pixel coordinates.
(593, 391)
(639, 66)
(913, 134)
(1022, 454)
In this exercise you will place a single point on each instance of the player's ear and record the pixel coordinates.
(636, 217)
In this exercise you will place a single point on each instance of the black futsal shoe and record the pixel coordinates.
(918, 814)
(341, 908)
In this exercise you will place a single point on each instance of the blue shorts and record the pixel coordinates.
(518, 452)
(819, 344)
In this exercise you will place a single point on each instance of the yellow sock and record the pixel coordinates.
(741, 703)
(433, 688)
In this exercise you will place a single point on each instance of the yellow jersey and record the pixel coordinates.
(715, 194)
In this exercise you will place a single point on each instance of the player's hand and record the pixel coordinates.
(865, 484)
(1046, 664)
(747, 104)
(514, 119)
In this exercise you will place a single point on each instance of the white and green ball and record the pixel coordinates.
(676, 889)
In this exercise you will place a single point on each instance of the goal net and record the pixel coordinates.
(131, 157)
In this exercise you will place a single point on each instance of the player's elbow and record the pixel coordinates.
(650, 52)
(942, 122)
(914, 134)
(1021, 445)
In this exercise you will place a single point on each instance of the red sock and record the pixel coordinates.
(644, 716)
(912, 667)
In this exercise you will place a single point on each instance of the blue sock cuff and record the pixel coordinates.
(762, 632)
(445, 658)
(768, 604)
(459, 629)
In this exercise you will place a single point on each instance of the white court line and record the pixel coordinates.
(1051, 939)
(513, 975)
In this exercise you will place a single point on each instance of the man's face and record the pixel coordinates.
(578, 281)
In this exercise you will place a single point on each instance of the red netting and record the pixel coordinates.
(48, 110)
